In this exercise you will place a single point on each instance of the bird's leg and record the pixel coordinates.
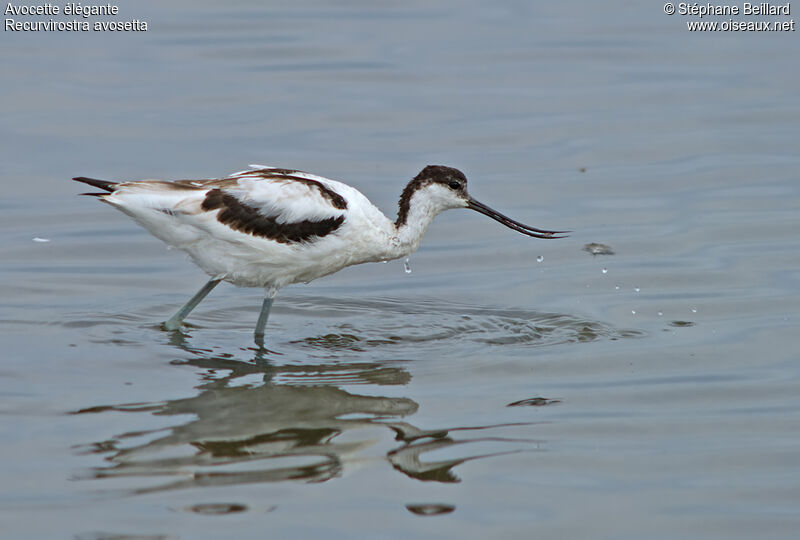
(175, 321)
(261, 325)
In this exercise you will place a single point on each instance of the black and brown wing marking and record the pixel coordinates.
(248, 219)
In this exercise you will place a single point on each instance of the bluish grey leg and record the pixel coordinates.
(175, 321)
(261, 325)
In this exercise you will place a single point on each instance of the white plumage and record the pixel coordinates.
(270, 227)
(176, 216)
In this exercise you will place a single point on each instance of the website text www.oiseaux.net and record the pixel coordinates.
(740, 26)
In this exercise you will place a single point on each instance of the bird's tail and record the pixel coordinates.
(101, 184)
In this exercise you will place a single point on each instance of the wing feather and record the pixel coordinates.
(241, 216)
(284, 205)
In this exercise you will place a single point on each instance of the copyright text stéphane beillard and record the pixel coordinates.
(68, 17)
(700, 10)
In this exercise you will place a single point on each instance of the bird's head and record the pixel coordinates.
(439, 188)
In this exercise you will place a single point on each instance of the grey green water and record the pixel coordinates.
(506, 387)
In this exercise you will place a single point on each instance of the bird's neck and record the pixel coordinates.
(413, 219)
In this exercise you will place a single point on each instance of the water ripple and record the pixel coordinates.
(365, 325)
(333, 326)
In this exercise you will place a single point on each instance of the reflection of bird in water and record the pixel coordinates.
(243, 435)
(418, 442)
(291, 427)
(269, 227)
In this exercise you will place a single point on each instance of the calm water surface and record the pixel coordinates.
(506, 387)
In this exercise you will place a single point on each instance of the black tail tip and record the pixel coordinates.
(100, 184)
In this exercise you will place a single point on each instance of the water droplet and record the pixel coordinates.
(660, 313)
(616, 287)
(633, 312)
(605, 270)
(694, 310)
(637, 289)
(407, 266)
(540, 258)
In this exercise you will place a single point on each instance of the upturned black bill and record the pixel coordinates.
(472, 204)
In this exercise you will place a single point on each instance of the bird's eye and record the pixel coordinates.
(454, 184)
